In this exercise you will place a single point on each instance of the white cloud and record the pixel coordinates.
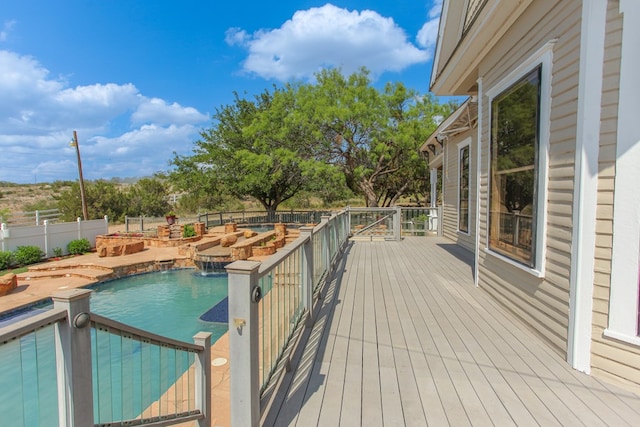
(6, 29)
(236, 36)
(327, 36)
(121, 132)
(428, 34)
(157, 111)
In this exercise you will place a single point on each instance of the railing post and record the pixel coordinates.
(79, 222)
(307, 274)
(4, 234)
(37, 217)
(203, 377)
(46, 237)
(141, 223)
(326, 253)
(397, 224)
(73, 359)
(243, 344)
(516, 228)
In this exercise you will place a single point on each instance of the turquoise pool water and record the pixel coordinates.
(168, 304)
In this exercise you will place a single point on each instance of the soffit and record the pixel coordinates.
(463, 119)
(457, 70)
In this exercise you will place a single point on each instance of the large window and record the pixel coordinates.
(515, 121)
(463, 189)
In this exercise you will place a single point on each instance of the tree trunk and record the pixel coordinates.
(370, 195)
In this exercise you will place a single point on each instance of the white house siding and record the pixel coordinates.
(450, 190)
(610, 358)
(542, 303)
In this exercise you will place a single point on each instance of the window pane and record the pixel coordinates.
(463, 204)
(514, 146)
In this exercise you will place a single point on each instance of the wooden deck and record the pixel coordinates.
(404, 338)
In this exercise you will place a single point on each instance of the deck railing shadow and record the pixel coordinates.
(303, 377)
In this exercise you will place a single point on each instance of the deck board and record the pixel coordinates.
(404, 338)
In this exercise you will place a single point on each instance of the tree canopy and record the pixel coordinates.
(335, 134)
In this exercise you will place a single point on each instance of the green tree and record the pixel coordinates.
(250, 151)
(148, 197)
(102, 197)
(372, 137)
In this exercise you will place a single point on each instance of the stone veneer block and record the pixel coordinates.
(281, 229)
(132, 248)
(200, 228)
(228, 240)
(8, 283)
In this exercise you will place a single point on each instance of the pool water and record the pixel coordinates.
(168, 304)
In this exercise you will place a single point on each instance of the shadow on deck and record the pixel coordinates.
(404, 338)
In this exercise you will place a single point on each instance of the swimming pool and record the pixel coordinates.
(168, 303)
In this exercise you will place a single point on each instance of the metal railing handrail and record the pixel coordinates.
(153, 338)
(31, 324)
(368, 227)
(274, 260)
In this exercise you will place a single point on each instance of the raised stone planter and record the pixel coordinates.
(268, 249)
(117, 249)
(8, 283)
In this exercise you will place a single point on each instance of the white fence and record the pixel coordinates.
(50, 236)
(31, 218)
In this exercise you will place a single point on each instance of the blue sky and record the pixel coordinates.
(138, 80)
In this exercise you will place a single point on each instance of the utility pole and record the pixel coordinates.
(74, 143)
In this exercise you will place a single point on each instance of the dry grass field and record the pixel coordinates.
(16, 198)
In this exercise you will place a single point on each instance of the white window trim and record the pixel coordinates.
(465, 143)
(623, 303)
(544, 57)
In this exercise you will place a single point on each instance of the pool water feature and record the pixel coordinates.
(168, 304)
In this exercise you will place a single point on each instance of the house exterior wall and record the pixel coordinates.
(540, 300)
(450, 197)
(610, 358)
(543, 297)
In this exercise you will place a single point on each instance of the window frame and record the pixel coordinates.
(542, 58)
(466, 144)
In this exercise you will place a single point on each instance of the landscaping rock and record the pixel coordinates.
(8, 283)
(228, 240)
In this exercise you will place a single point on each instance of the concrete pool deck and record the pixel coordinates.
(88, 269)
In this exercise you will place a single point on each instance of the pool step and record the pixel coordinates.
(82, 272)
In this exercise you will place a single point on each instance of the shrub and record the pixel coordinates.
(6, 259)
(25, 255)
(188, 231)
(78, 246)
(57, 252)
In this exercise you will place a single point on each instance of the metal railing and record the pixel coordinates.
(269, 303)
(393, 223)
(420, 221)
(84, 369)
(150, 224)
(214, 219)
(516, 229)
